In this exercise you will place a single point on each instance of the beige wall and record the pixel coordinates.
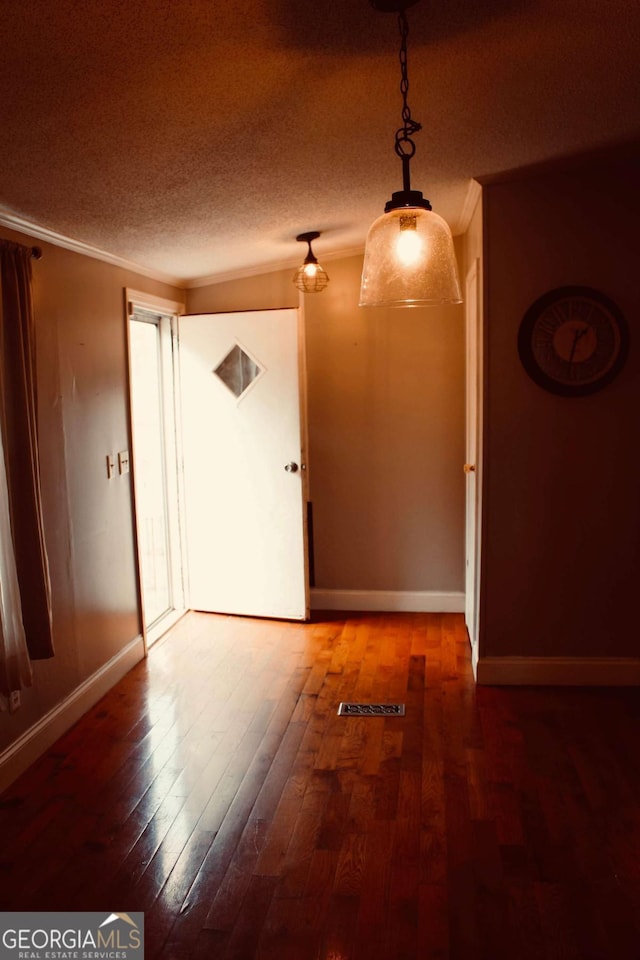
(263, 292)
(562, 504)
(81, 361)
(386, 431)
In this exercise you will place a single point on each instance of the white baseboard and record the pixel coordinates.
(410, 601)
(38, 738)
(559, 671)
(474, 660)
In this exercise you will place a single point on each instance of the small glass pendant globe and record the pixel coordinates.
(409, 261)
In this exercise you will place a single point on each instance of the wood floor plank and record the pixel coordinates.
(216, 789)
(433, 922)
(339, 934)
(351, 866)
(374, 932)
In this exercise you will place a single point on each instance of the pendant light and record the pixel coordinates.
(310, 277)
(409, 258)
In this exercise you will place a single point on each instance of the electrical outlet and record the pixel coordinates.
(111, 465)
(123, 461)
(14, 701)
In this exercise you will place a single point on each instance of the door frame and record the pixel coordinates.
(473, 452)
(168, 311)
(307, 516)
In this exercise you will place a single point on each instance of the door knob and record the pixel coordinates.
(291, 467)
(469, 468)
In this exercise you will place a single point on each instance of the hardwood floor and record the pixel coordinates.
(216, 789)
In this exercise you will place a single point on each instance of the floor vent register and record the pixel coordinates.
(371, 710)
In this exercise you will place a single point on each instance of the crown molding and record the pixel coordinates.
(8, 219)
(291, 263)
(14, 222)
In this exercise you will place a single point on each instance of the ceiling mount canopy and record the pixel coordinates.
(409, 258)
(310, 277)
(392, 6)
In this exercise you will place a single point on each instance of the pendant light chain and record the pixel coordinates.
(405, 147)
(409, 257)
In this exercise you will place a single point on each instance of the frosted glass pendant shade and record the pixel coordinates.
(409, 261)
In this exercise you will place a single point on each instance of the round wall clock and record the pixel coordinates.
(573, 341)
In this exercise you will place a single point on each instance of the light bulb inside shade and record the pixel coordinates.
(413, 272)
(409, 243)
(311, 278)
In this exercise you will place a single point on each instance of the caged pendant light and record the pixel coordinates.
(409, 258)
(310, 277)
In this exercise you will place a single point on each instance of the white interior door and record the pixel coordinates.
(471, 466)
(244, 468)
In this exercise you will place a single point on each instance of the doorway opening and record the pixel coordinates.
(155, 460)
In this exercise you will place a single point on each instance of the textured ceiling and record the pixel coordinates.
(197, 138)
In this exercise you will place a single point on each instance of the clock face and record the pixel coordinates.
(573, 341)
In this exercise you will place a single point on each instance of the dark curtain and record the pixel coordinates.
(18, 412)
